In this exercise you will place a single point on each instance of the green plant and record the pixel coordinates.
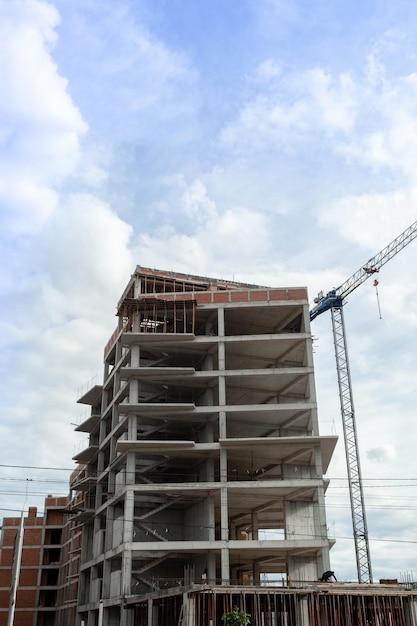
(236, 617)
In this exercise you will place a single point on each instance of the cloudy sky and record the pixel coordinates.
(267, 141)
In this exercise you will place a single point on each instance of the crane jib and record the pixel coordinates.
(334, 300)
(330, 300)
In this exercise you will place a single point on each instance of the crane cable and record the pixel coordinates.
(376, 283)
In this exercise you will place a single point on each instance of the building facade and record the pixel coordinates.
(204, 463)
(45, 564)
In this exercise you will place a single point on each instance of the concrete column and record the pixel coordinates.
(137, 289)
(135, 356)
(116, 387)
(224, 514)
(134, 384)
(127, 542)
(211, 568)
(225, 566)
(255, 526)
(220, 321)
(320, 521)
(311, 380)
(130, 468)
(106, 579)
(150, 612)
(189, 610)
(303, 610)
(211, 515)
(256, 572)
(233, 531)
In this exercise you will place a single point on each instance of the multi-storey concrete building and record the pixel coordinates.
(201, 485)
(204, 462)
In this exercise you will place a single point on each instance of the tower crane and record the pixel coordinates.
(334, 300)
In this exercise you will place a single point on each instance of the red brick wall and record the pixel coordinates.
(28, 577)
(234, 295)
(21, 618)
(4, 598)
(245, 295)
(5, 578)
(32, 537)
(35, 532)
(6, 558)
(30, 556)
(26, 598)
(54, 518)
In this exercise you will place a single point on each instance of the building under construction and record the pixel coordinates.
(202, 476)
(39, 565)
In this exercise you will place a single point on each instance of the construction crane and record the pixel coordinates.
(334, 300)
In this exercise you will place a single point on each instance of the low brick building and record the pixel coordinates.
(48, 580)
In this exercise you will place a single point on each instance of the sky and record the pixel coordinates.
(264, 141)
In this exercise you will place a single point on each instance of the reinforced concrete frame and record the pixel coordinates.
(204, 463)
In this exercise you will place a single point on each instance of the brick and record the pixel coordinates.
(258, 296)
(184, 296)
(278, 294)
(6, 557)
(23, 618)
(54, 518)
(221, 296)
(165, 296)
(203, 298)
(26, 598)
(32, 537)
(298, 294)
(28, 577)
(11, 521)
(30, 556)
(9, 536)
(239, 296)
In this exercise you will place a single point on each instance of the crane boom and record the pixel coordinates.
(334, 300)
(336, 296)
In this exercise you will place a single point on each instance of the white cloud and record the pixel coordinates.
(197, 204)
(215, 238)
(90, 247)
(294, 109)
(386, 134)
(40, 126)
(366, 120)
(382, 454)
(268, 70)
(133, 86)
(371, 220)
(68, 254)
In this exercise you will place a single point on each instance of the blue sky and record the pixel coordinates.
(267, 141)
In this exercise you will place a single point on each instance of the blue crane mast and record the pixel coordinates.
(335, 300)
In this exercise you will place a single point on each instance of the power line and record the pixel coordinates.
(58, 469)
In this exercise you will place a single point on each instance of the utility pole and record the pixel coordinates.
(17, 561)
(16, 570)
